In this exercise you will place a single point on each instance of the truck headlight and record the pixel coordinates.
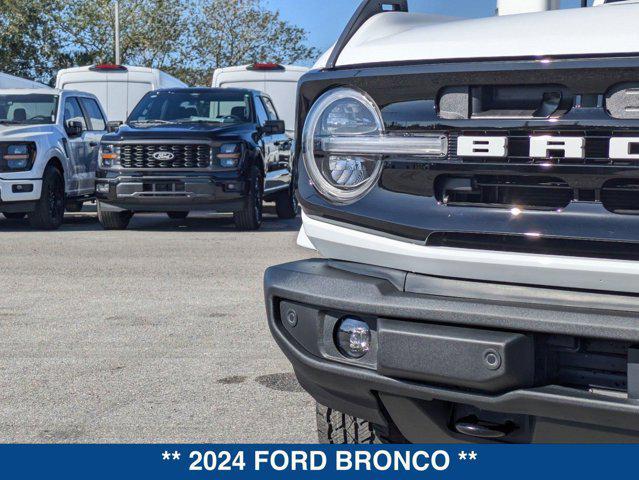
(342, 113)
(230, 155)
(344, 144)
(18, 157)
(109, 156)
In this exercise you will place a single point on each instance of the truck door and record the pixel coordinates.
(278, 148)
(96, 128)
(73, 114)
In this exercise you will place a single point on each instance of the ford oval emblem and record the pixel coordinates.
(163, 156)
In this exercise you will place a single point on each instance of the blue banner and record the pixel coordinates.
(316, 462)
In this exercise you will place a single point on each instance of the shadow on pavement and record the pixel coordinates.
(87, 220)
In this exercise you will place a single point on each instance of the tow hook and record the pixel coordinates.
(474, 427)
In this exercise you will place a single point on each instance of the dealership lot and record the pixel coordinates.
(154, 334)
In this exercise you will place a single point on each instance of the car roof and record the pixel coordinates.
(29, 91)
(209, 90)
(76, 93)
(285, 68)
(45, 91)
(90, 68)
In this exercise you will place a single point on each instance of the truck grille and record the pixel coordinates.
(540, 183)
(185, 156)
(544, 193)
(621, 196)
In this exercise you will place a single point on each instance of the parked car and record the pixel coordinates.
(118, 87)
(10, 81)
(212, 149)
(49, 142)
(279, 82)
(473, 190)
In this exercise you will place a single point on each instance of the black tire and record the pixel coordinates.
(339, 428)
(250, 218)
(286, 204)
(177, 215)
(114, 220)
(14, 215)
(49, 211)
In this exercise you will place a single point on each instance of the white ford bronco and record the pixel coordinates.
(49, 141)
(473, 189)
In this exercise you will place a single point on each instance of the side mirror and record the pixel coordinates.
(113, 126)
(73, 128)
(274, 127)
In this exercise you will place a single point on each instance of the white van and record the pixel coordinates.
(9, 81)
(277, 81)
(118, 87)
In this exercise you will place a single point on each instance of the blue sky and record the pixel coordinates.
(325, 19)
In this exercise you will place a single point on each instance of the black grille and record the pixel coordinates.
(584, 180)
(185, 156)
(546, 193)
(621, 196)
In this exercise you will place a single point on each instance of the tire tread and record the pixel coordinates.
(114, 220)
(335, 427)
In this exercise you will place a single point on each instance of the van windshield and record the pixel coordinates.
(218, 107)
(28, 109)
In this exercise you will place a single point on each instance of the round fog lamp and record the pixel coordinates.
(353, 338)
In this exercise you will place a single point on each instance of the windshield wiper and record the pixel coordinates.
(10, 122)
(151, 122)
(200, 121)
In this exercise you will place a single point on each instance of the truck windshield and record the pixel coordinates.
(28, 109)
(218, 107)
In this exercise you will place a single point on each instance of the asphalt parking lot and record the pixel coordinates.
(154, 334)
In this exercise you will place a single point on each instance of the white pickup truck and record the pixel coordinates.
(472, 187)
(49, 142)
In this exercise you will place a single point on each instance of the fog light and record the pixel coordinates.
(353, 337)
(22, 188)
(102, 188)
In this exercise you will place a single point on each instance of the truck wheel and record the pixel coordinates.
(14, 215)
(340, 428)
(49, 211)
(177, 215)
(114, 220)
(286, 204)
(250, 218)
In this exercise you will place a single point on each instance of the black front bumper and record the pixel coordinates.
(223, 192)
(425, 371)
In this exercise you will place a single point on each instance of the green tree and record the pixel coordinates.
(153, 33)
(236, 32)
(29, 43)
(187, 38)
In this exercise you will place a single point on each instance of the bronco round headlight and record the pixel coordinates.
(342, 117)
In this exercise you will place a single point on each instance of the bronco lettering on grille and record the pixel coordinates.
(621, 148)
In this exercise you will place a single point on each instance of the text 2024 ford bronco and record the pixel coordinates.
(473, 189)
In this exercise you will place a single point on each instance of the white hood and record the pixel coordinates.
(400, 37)
(22, 132)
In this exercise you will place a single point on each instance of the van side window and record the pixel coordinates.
(262, 115)
(270, 109)
(73, 112)
(98, 123)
